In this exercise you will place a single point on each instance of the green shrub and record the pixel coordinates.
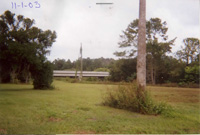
(92, 79)
(74, 80)
(131, 78)
(181, 84)
(129, 97)
(68, 79)
(43, 76)
(102, 70)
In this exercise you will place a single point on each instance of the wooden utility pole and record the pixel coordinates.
(81, 60)
(141, 56)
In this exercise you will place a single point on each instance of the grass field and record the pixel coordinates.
(76, 109)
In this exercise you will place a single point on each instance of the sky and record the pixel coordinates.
(97, 27)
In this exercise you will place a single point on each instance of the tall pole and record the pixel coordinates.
(141, 56)
(81, 59)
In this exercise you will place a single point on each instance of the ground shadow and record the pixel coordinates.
(15, 89)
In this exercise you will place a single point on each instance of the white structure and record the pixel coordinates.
(62, 73)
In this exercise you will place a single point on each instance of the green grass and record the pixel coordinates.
(76, 108)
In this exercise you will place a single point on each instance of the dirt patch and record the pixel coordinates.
(53, 119)
(178, 95)
(75, 111)
(92, 119)
(3, 131)
(84, 132)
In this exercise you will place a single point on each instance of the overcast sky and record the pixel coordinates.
(98, 27)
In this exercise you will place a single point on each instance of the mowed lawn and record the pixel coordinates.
(76, 109)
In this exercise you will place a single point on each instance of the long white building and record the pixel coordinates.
(63, 73)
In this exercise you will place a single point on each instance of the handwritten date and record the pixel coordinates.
(34, 4)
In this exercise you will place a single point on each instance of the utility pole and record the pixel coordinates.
(81, 60)
(141, 56)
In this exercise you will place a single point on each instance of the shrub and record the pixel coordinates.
(43, 76)
(181, 84)
(129, 97)
(93, 79)
(102, 70)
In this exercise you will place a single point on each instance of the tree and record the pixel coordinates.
(68, 64)
(189, 52)
(170, 70)
(156, 41)
(141, 56)
(22, 47)
(123, 70)
(59, 64)
(189, 55)
(192, 73)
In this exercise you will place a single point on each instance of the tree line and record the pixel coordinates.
(98, 64)
(24, 47)
(162, 66)
(183, 67)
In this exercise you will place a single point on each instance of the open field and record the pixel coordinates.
(76, 108)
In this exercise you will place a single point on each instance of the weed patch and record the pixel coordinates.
(3, 131)
(52, 119)
(84, 108)
(127, 97)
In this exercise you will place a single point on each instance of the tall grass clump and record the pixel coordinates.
(129, 97)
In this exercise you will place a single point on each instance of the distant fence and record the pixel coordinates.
(62, 73)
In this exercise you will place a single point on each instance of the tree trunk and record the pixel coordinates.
(141, 58)
(154, 76)
(192, 58)
(151, 73)
(13, 76)
(152, 70)
(0, 73)
(28, 74)
(188, 59)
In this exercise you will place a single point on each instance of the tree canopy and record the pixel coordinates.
(156, 40)
(189, 52)
(23, 49)
(156, 32)
(88, 64)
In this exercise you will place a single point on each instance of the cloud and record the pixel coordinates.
(98, 27)
(182, 17)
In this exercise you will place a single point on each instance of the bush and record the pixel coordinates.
(181, 84)
(123, 70)
(43, 76)
(92, 79)
(131, 78)
(129, 97)
(102, 70)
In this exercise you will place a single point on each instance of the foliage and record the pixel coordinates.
(180, 84)
(88, 64)
(22, 47)
(102, 70)
(61, 64)
(192, 74)
(156, 41)
(123, 70)
(155, 33)
(161, 68)
(190, 56)
(132, 98)
(92, 79)
(43, 76)
(189, 52)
